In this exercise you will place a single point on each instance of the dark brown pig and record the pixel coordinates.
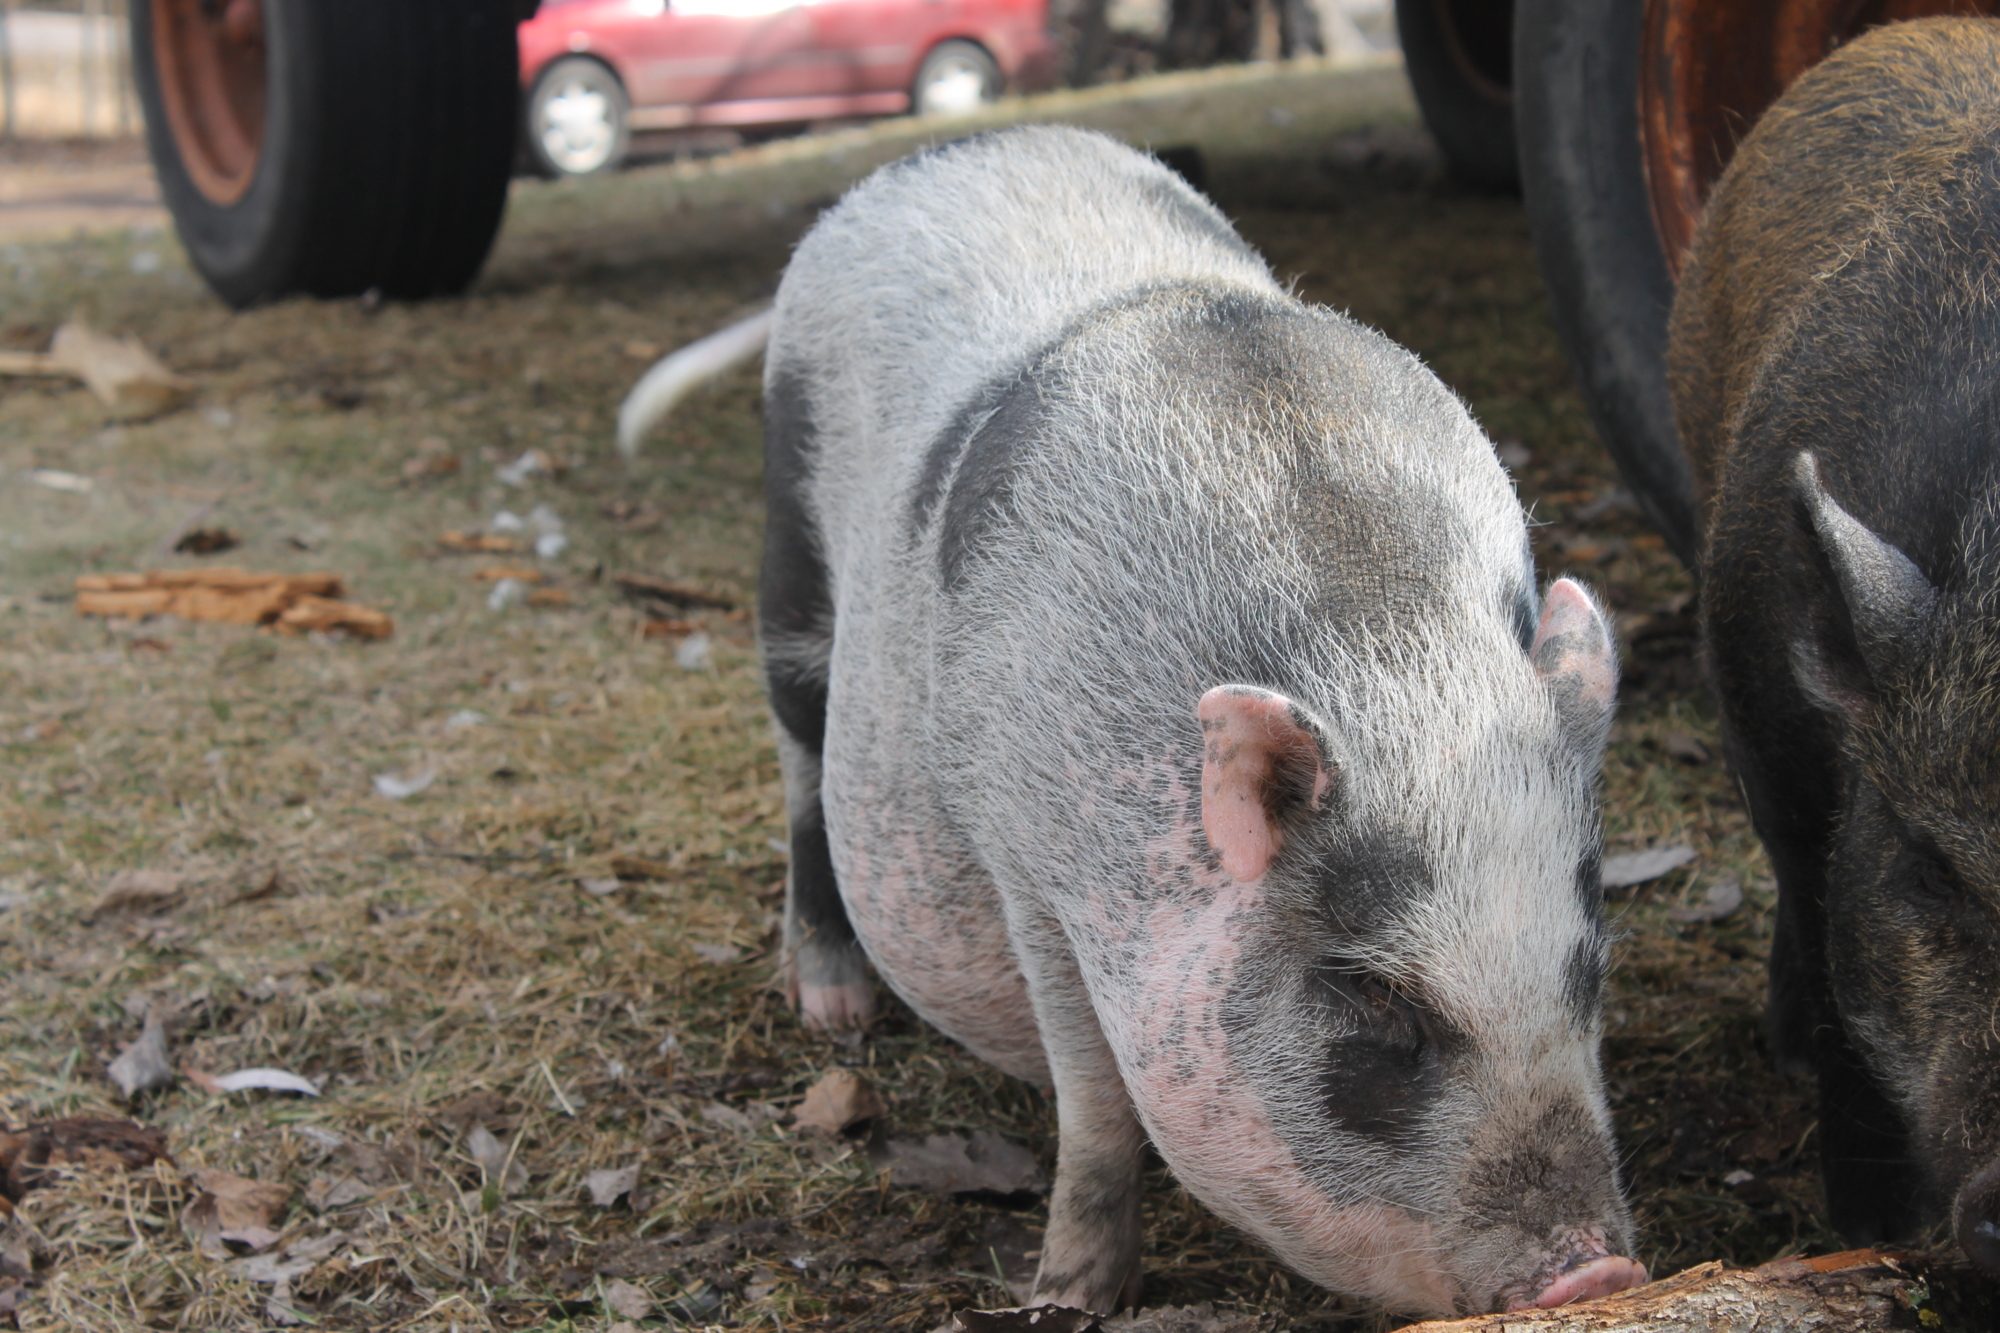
(1835, 358)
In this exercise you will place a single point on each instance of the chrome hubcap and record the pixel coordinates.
(578, 131)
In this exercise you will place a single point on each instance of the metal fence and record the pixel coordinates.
(65, 71)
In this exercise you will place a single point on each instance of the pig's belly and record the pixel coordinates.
(927, 913)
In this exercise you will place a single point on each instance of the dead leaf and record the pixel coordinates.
(1685, 747)
(207, 541)
(610, 1185)
(518, 573)
(326, 1194)
(1628, 869)
(550, 597)
(121, 372)
(244, 1080)
(1038, 1318)
(139, 891)
(18, 1244)
(143, 1065)
(1720, 898)
(231, 1214)
(981, 1163)
(645, 587)
(495, 1159)
(30, 1155)
(727, 1116)
(425, 467)
(667, 629)
(838, 1101)
(627, 1300)
(640, 867)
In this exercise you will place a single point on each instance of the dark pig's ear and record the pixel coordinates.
(1263, 757)
(1884, 602)
(1573, 654)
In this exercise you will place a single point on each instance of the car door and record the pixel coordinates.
(697, 52)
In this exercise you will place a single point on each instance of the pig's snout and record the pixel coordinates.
(1582, 1276)
(1976, 1220)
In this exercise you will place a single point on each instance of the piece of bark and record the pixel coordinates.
(294, 603)
(327, 614)
(1830, 1293)
(647, 588)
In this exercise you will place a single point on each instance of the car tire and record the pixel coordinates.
(1583, 178)
(578, 119)
(330, 147)
(957, 77)
(1459, 57)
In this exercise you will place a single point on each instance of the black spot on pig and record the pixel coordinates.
(794, 602)
(948, 449)
(1583, 979)
(980, 495)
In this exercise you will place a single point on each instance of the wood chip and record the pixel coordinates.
(481, 543)
(519, 573)
(293, 603)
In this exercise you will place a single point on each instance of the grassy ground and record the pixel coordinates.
(436, 963)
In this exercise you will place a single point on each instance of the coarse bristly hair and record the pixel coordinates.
(1069, 457)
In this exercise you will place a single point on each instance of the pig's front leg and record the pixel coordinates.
(1090, 1251)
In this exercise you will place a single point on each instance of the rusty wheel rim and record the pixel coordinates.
(209, 55)
(1707, 71)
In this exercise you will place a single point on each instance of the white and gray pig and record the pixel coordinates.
(1167, 713)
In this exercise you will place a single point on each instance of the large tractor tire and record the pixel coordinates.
(330, 147)
(1459, 56)
(1626, 114)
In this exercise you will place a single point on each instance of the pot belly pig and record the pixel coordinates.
(1835, 360)
(1168, 714)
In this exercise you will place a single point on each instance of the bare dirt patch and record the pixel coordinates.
(504, 886)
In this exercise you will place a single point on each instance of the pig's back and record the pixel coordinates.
(1845, 219)
(942, 273)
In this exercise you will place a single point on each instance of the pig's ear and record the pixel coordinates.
(1573, 654)
(1885, 602)
(1263, 757)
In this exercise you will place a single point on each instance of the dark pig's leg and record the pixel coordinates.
(1090, 1252)
(826, 975)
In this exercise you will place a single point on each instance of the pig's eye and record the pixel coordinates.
(1389, 1016)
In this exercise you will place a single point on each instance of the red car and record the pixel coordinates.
(594, 71)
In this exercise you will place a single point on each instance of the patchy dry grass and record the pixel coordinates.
(435, 963)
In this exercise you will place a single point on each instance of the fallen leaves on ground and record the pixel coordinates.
(31, 1155)
(518, 573)
(293, 603)
(260, 1079)
(1203, 1318)
(980, 1163)
(496, 1160)
(1627, 870)
(143, 1065)
(610, 1185)
(840, 1100)
(139, 891)
(631, 867)
(207, 541)
(231, 1214)
(627, 1300)
(125, 376)
(1719, 898)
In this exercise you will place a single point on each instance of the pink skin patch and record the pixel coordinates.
(1250, 738)
(932, 925)
(1600, 1277)
(1197, 1105)
(1571, 641)
(836, 1008)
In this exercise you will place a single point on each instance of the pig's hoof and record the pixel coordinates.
(1102, 1291)
(830, 987)
(836, 1008)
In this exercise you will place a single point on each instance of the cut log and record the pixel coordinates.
(1832, 1293)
